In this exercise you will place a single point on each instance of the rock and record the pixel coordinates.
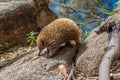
(20, 17)
(92, 53)
(32, 67)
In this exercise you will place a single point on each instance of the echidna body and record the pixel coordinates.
(60, 31)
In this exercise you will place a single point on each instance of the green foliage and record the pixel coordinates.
(84, 35)
(31, 37)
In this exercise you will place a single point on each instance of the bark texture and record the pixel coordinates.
(110, 55)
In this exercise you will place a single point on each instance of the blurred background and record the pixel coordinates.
(86, 13)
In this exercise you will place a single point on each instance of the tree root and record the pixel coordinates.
(114, 68)
(113, 51)
(72, 74)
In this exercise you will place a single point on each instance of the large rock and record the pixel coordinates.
(32, 67)
(20, 17)
(89, 57)
(92, 53)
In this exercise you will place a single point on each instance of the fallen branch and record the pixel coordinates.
(114, 68)
(112, 53)
(72, 74)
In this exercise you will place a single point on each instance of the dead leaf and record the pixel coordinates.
(62, 70)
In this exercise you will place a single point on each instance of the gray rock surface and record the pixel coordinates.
(32, 67)
(92, 53)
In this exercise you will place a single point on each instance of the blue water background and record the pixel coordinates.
(107, 4)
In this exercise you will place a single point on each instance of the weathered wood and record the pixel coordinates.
(113, 50)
